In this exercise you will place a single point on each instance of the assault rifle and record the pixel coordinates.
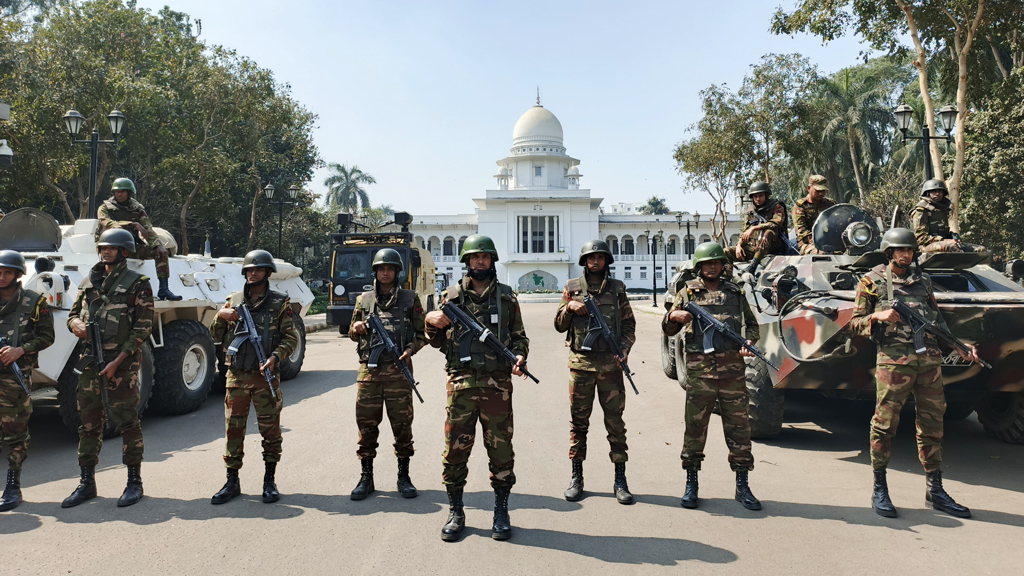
(919, 324)
(599, 329)
(246, 331)
(472, 330)
(94, 342)
(19, 376)
(710, 326)
(386, 344)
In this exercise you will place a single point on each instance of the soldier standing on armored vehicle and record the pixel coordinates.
(482, 387)
(901, 370)
(120, 302)
(596, 371)
(765, 227)
(26, 327)
(273, 318)
(401, 314)
(716, 376)
(806, 212)
(123, 211)
(930, 221)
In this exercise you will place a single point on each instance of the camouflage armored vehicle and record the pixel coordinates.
(804, 303)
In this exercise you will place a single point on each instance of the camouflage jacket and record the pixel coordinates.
(896, 340)
(113, 215)
(611, 297)
(122, 302)
(274, 318)
(804, 214)
(496, 309)
(402, 315)
(26, 321)
(930, 221)
(774, 213)
(727, 304)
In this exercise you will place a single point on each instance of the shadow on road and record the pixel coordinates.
(428, 502)
(619, 549)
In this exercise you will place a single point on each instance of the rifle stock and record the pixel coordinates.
(19, 376)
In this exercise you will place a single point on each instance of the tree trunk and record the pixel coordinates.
(856, 167)
(252, 219)
(920, 62)
(183, 248)
(961, 116)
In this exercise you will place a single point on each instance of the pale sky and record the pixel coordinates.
(424, 95)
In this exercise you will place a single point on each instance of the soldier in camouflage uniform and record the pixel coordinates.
(717, 376)
(120, 300)
(26, 327)
(403, 317)
(123, 211)
(806, 212)
(275, 321)
(759, 237)
(596, 371)
(930, 220)
(480, 389)
(901, 370)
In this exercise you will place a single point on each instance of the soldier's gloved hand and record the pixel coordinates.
(680, 317)
(405, 355)
(577, 308)
(887, 316)
(745, 352)
(78, 328)
(517, 367)
(228, 314)
(269, 364)
(9, 354)
(359, 327)
(437, 319)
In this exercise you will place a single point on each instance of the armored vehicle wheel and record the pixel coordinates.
(293, 364)
(767, 404)
(668, 355)
(186, 366)
(67, 390)
(679, 357)
(1002, 415)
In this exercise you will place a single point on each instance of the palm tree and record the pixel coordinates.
(343, 188)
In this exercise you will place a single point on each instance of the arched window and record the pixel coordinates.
(449, 246)
(419, 242)
(705, 238)
(673, 245)
(461, 241)
(434, 246)
(613, 244)
(627, 245)
(690, 244)
(642, 245)
(734, 239)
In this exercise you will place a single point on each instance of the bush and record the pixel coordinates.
(320, 301)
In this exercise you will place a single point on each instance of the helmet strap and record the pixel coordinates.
(480, 275)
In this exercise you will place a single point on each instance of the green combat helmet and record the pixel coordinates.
(596, 247)
(117, 237)
(388, 256)
(898, 238)
(259, 259)
(12, 259)
(759, 187)
(478, 243)
(123, 184)
(708, 251)
(933, 184)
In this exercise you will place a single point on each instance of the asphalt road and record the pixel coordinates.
(814, 482)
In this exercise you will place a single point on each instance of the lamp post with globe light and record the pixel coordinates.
(73, 122)
(947, 119)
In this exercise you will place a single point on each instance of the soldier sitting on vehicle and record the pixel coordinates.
(930, 221)
(806, 212)
(124, 211)
(764, 228)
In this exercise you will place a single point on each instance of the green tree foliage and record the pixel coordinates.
(894, 189)
(345, 188)
(654, 205)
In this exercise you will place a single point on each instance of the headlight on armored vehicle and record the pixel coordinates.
(858, 234)
(339, 290)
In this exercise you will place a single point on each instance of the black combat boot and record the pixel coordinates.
(502, 528)
(270, 493)
(937, 498)
(365, 485)
(880, 497)
(405, 487)
(12, 493)
(690, 495)
(164, 293)
(133, 491)
(86, 488)
(456, 516)
(231, 488)
(575, 490)
(743, 494)
(621, 488)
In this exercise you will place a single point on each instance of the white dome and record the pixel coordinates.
(503, 171)
(537, 125)
(574, 171)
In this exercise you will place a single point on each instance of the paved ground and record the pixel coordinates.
(814, 481)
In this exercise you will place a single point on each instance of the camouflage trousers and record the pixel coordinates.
(608, 387)
(922, 377)
(717, 377)
(809, 248)
(122, 402)
(245, 387)
(772, 242)
(952, 246)
(15, 409)
(163, 268)
(372, 396)
(493, 408)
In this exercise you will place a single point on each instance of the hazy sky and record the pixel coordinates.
(424, 95)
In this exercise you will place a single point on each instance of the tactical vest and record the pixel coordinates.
(494, 314)
(916, 293)
(265, 317)
(111, 305)
(395, 319)
(936, 218)
(14, 320)
(768, 212)
(607, 301)
(724, 304)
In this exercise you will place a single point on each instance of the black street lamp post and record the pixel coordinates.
(654, 265)
(293, 192)
(73, 121)
(947, 117)
(679, 223)
(664, 259)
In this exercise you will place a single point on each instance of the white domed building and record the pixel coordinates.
(539, 218)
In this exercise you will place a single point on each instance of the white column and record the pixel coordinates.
(529, 234)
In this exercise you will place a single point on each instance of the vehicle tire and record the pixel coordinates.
(680, 362)
(67, 392)
(958, 410)
(1002, 415)
(293, 364)
(186, 366)
(668, 356)
(767, 405)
